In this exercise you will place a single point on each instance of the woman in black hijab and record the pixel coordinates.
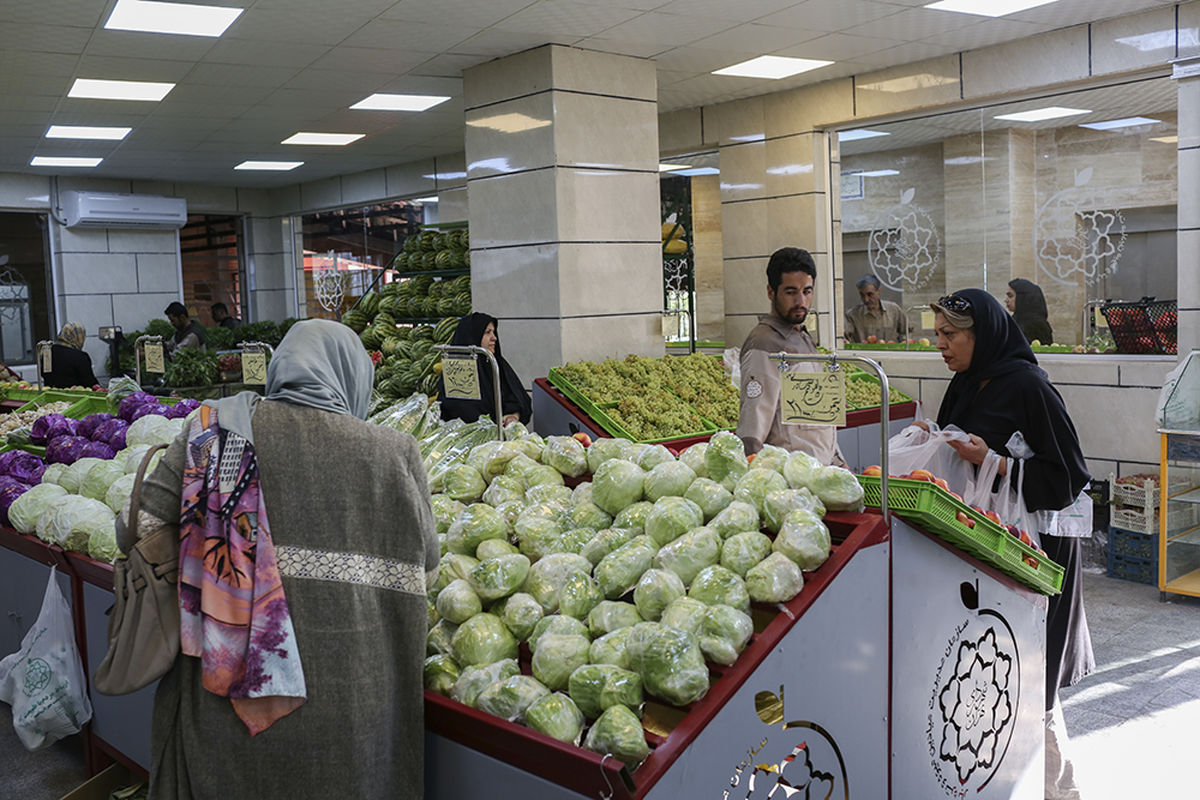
(1024, 299)
(997, 390)
(481, 329)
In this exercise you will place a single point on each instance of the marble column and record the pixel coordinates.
(562, 186)
(1187, 77)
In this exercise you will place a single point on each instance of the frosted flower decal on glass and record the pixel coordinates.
(1074, 240)
(976, 705)
(904, 251)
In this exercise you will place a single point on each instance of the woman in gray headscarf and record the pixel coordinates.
(306, 633)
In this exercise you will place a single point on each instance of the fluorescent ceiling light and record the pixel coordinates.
(1127, 122)
(1165, 139)
(399, 102)
(773, 67)
(425, 200)
(274, 166)
(988, 8)
(876, 173)
(330, 139)
(119, 90)
(180, 18)
(1041, 114)
(672, 167)
(699, 171)
(86, 132)
(63, 161)
(513, 122)
(859, 133)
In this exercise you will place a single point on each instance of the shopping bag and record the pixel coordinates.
(915, 448)
(992, 492)
(44, 680)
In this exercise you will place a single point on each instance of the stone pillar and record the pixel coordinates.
(1187, 77)
(562, 184)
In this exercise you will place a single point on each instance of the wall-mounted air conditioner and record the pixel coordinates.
(101, 210)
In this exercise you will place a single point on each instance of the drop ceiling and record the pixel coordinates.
(297, 65)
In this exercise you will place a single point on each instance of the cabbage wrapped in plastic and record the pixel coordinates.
(771, 457)
(725, 457)
(464, 483)
(804, 539)
(439, 674)
(724, 634)
(445, 511)
(557, 716)
(779, 504)
(509, 698)
(537, 534)
(473, 680)
(71, 520)
(480, 455)
(153, 429)
(743, 550)
(694, 457)
(458, 602)
(51, 426)
(556, 625)
(565, 454)
(775, 579)
(440, 638)
(511, 510)
(475, 523)
(547, 577)
(588, 515)
(710, 496)
(596, 687)
(602, 450)
(481, 640)
(670, 478)
(756, 484)
(582, 493)
(27, 509)
(542, 475)
(653, 455)
(690, 553)
(632, 451)
(502, 489)
(616, 484)
(499, 577)
(575, 539)
(493, 548)
(432, 617)
(837, 489)
(610, 649)
(520, 613)
(101, 476)
(65, 449)
(579, 595)
(655, 590)
(633, 516)
(530, 444)
(605, 542)
(102, 542)
(557, 656)
(619, 571)
(684, 614)
(519, 465)
(671, 518)
(718, 585)
(736, 517)
(800, 468)
(453, 566)
(618, 731)
(610, 615)
(549, 493)
(53, 473)
(670, 663)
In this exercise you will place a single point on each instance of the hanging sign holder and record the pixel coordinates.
(461, 379)
(254, 362)
(152, 348)
(44, 363)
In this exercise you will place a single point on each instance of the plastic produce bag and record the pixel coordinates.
(509, 698)
(464, 483)
(712, 497)
(754, 486)
(606, 541)
(771, 457)
(481, 640)
(519, 613)
(694, 458)
(779, 504)
(744, 550)
(616, 484)
(718, 585)
(671, 518)
(440, 673)
(736, 518)
(556, 625)
(804, 539)
(914, 448)
(44, 680)
(838, 489)
(579, 595)
(475, 523)
(565, 454)
(668, 478)
(498, 577)
(610, 615)
(619, 571)
(618, 731)
(440, 638)
(549, 493)
(652, 455)
(588, 515)
(557, 656)
(547, 577)
(597, 687)
(473, 680)
(458, 602)
(655, 590)
(634, 516)
(685, 614)
(494, 548)
(799, 469)
(670, 663)
(724, 633)
(602, 450)
(610, 649)
(690, 553)
(556, 715)
(725, 457)
(775, 579)
(503, 489)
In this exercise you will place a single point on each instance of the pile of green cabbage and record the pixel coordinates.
(624, 587)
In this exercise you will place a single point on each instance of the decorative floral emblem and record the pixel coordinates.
(976, 706)
(1073, 239)
(37, 675)
(753, 389)
(904, 252)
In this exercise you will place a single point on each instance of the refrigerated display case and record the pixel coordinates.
(1179, 484)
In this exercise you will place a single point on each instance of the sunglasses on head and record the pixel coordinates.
(951, 302)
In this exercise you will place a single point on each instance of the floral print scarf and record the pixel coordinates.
(233, 613)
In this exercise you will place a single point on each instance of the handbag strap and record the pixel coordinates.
(135, 497)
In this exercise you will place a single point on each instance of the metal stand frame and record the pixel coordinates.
(139, 348)
(474, 349)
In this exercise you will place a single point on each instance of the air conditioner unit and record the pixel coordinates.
(145, 212)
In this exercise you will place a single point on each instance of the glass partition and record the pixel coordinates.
(693, 265)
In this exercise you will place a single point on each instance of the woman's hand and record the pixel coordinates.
(509, 418)
(922, 424)
(973, 451)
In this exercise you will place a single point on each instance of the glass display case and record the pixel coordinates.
(1179, 484)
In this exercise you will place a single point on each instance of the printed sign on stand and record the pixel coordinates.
(154, 358)
(45, 354)
(460, 377)
(815, 398)
(254, 367)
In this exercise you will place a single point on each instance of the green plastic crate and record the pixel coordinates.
(44, 398)
(85, 406)
(935, 510)
(24, 395)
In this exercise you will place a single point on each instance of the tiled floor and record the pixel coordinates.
(1135, 722)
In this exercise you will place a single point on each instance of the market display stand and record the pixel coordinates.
(905, 668)
(1179, 481)
(120, 726)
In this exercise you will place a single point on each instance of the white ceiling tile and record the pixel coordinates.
(829, 15)
(467, 13)
(118, 68)
(46, 38)
(354, 84)
(283, 25)
(22, 103)
(26, 63)
(81, 13)
(271, 54)
(371, 59)
(449, 65)
(215, 109)
(696, 60)
(906, 53)
(635, 49)
(129, 44)
(840, 47)
(913, 24)
(566, 18)
(425, 84)
(1072, 12)
(723, 9)
(201, 94)
(754, 39)
(240, 75)
(667, 29)
(398, 35)
(34, 84)
(495, 43)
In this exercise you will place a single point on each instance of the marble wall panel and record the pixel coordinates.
(746, 286)
(1188, 29)
(94, 273)
(790, 165)
(596, 279)
(709, 265)
(908, 87)
(512, 136)
(82, 240)
(321, 194)
(743, 171)
(736, 121)
(132, 311)
(124, 241)
(808, 107)
(364, 187)
(1048, 58)
(744, 229)
(577, 119)
(1134, 41)
(681, 131)
(409, 180)
(797, 221)
(521, 209)
(453, 205)
(607, 206)
(207, 199)
(517, 281)
(93, 310)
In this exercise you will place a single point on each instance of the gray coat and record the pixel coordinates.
(351, 521)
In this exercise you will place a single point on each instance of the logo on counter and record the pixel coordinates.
(809, 765)
(974, 700)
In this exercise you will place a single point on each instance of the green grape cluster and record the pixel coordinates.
(864, 393)
(655, 414)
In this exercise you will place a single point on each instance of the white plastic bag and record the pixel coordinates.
(44, 680)
(732, 359)
(1007, 502)
(914, 448)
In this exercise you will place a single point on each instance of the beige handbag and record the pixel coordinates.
(143, 626)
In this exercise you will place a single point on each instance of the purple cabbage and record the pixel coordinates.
(10, 490)
(134, 401)
(50, 426)
(190, 403)
(88, 424)
(178, 411)
(147, 410)
(27, 468)
(65, 449)
(6, 459)
(99, 450)
(112, 433)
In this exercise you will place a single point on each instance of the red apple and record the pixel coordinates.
(874, 470)
(584, 439)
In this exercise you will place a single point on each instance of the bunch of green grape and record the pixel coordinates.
(864, 393)
(655, 414)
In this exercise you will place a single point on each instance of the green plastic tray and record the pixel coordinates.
(597, 412)
(84, 406)
(889, 346)
(48, 397)
(935, 510)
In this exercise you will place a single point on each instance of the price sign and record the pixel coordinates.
(461, 377)
(928, 320)
(254, 367)
(44, 355)
(1101, 320)
(154, 358)
(817, 398)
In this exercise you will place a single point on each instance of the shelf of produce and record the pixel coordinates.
(583, 771)
(433, 273)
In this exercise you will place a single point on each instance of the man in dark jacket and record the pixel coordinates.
(188, 333)
(221, 316)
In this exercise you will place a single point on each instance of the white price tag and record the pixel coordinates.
(154, 358)
(46, 354)
(254, 367)
(461, 377)
(816, 398)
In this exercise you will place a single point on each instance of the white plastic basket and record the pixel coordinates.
(1142, 521)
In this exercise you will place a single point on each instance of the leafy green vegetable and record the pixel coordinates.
(610, 648)
(579, 595)
(547, 577)
(724, 633)
(619, 571)
(655, 590)
(744, 550)
(557, 656)
(602, 450)
(520, 613)
(475, 523)
(694, 457)
(499, 577)
(606, 541)
(565, 454)
(718, 585)
(775, 579)
(474, 680)
(725, 457)
(440, 638)
(710, 496)
(192, 367)
(619, 731)
(556, 625)
(509, 698)
(671, 518)
(481, 640)
(493, 548)
(597, 687)
(804, 539)
(556, 715)
(458, 602)
(670, 663)
(616, 484)
(690, 553)
(736, 517)
(440, 674)
(684, 614)
(633, 516)
(609, 616)
(837, 489)
(464, 484)
(779, 504)
(754, 486)
(799, 469)
(668, 478)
